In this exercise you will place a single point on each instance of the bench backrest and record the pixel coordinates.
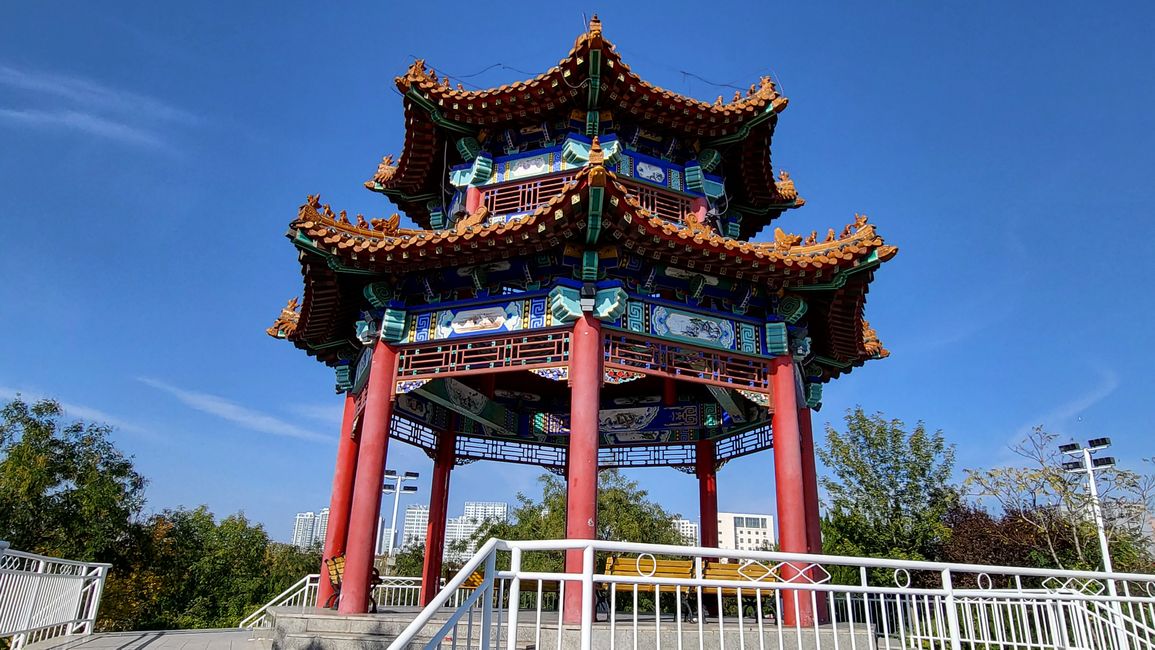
(731, 571)
(336, 567)
(648, 567)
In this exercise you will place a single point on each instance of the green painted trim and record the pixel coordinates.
(378, 294)
(564, 304)
(393, 325)
(594, 215)
(468, 147)
(610, 304)
(595, 88)
(814, 396)
(477, 174)
(744, 130)
(589, 271)
(709, 159)
(344, 379)
(777, 339)
(839, 280)
(791, 308)
(593, 123)
(334, 262)
(435, 114)
(833, 363)
(695, 179)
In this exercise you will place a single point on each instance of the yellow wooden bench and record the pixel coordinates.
(336, 569)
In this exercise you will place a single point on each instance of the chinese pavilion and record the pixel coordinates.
(582, 291)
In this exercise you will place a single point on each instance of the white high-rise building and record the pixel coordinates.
(416, 524)
(481, 511)
(688, 530)
(321, 526)
(303, 526)
(383, 536)
(745, 531)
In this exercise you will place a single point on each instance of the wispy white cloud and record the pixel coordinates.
(1062, 414)
(77, 410)
(329, 414)
(83, 122)
(95, 96)
(230, 411)
(56, 101)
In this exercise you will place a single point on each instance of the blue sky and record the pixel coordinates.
(151, 158)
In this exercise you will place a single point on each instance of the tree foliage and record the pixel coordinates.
(624, 513)
(1050, 509)
(67, 491)
(889, 488)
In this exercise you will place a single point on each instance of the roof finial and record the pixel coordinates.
(597, 168)
(597, 156)
(595, 25)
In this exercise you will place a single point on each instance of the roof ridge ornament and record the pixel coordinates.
(286, 323)
(595, 26)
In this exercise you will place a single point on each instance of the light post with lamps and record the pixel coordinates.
(396, 488)
(1090, 465)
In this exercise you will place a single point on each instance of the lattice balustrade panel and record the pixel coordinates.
(744, 443)
(415, 434)
(526, 196)
(646, 456)
(717, 367)
(509, 451)
(666, 205)
(542, 349)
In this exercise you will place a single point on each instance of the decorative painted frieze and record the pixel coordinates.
(777, 339)
(479, 319)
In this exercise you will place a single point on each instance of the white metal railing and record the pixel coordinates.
(392, 592)
(43, 597)
(856, 603)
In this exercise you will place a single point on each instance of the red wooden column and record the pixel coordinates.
(438, 511)
(585, 374)
(789, 484)
(704, 462)
(359, 550)
(810, 493)
(472, 199)
(341, 499)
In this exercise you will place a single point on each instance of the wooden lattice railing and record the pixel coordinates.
(456, 357)
(523, 197)
(626, 351)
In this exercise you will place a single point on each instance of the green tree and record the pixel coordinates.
(624, 511)
(1051, 508)
(65, 489)
(890, 488)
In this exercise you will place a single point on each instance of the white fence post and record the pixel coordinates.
(951, 611)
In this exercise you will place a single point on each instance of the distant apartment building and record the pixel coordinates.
(459, 531)
(745, 531)
(384, 534)
(321, 526)
(688, 530)
(416, 523)
(304, 525)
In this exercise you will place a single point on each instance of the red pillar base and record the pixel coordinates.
(438, 511)
(366, 506)
(341, 500)
(789, 486)
(582, 460)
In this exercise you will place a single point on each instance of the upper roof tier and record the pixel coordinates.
(595, 92)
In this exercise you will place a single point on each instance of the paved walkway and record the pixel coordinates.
(228, 639)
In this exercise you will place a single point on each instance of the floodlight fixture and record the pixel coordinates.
(1070, 448)
(409, 488)
(1073, 466)
(388, 487)
(1105, 461)
(1095, 444)
(390, 473)
(411, 475)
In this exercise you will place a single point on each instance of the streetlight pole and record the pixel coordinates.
(396, 488)
(1090, 465)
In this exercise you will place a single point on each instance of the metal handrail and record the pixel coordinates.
(300, 587)
(43, 597)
